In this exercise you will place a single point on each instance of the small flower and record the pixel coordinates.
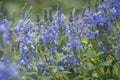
(41, 67)
(22, 45)
(35, 76)
(102, 20)
(73, 60)
(21, 25)
(25, 49)
(87, 13)
(52, 62)
(29, 68)
(24, 60)
(67, 66)
(90, 35)
(113, 13)
(96, 32)
(117, 53)
(94, 18)
(45, 73)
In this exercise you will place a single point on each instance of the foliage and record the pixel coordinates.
(82, 47)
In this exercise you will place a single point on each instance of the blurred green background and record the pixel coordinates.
(38, 6)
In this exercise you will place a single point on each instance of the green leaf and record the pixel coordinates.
(14, 36)
(62, 40)
(58, 57)
(30, 73)
(50, 67)
(61, 67)
(91, 54)
(116, 69)
(84, 42)
(44, 78)
(1, 53)
(108, 63)
(63, 57)
(35, 69)
(65, 72)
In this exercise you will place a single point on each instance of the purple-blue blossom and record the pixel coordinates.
(117, 53)
(8, 70)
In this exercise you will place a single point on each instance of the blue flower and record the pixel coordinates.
(42, 28)
(8, 70)
(73, 60)
(90, 35)
(17, 31)
(111, 1)
(21, 25)
(21, 45)
(87, 13)
(35, 76)
(24, 60)
(25, 49)
(105, 50)
(60, 17)
(4, 25)
(96, 32)
(45, 73)
(100, 8)
(67, 66)
(4, 32)
(106, 4)
(68, 30)
(102, 20)
(117, 53)
(94, 20)
(81, 25)
(113, 13)
(60, 63)
(52, 62)
(65, 61)
(5, 38)
(29, 68)
(41, 67)
(76, 74)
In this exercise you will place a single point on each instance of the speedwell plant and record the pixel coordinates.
(82, 46)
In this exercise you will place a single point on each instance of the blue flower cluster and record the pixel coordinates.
(102, 23)
(8, 70)
(4, 33)
(60, 43)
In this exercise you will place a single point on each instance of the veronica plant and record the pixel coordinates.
(82, 46)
